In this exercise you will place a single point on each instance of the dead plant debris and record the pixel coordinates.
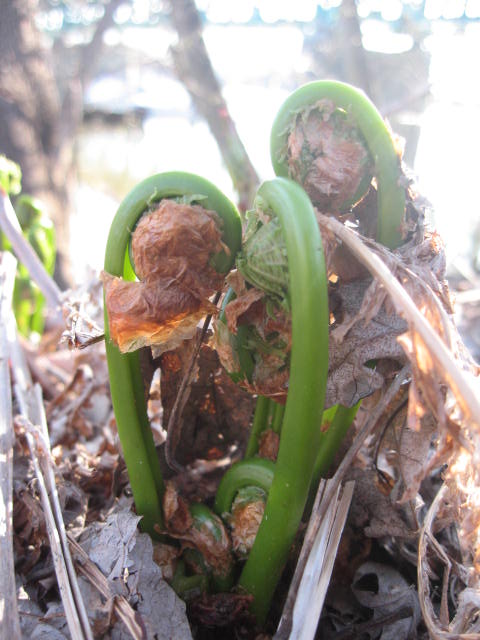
(409, 563)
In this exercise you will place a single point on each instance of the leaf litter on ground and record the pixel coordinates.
(416, 468)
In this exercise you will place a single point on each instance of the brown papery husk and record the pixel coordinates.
(154, 312)
(328, 157)
(216, 550)
(245, 521)
(172, 247)
(178, 240)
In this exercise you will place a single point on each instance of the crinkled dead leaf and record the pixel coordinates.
(236, 311)
(445, 386)
(178, 240)
(368, 337)
(376, 512)
(109, 546)
(159, 312)
(74, 504)
(459, 438)
(162, 611)
(82, 405)
(125, 556)
(411, 452)
(268, 329)
(30, 540)
(175, 511)
(401, 455)
(384, 590)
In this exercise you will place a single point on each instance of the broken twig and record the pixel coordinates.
(26, 255)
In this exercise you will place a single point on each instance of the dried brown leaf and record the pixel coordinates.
(126, 557)
(175, 510)
(415, 456)
(240, 310)
(245, 520)
(360, 337)
(377, 513)
(82, 312)
(159, 312)
(384, 590)
(446, 384)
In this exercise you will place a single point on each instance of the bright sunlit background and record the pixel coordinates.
(141, 120)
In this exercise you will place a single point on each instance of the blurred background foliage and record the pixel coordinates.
(96, 95)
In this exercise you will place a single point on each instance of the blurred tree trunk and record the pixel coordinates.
(355, 68)
(91, 52)
(194, 69)
(39, 118)
(31, 119)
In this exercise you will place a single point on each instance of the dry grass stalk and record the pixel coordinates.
(9, 621)
(74, 607)
(315, 565)
(466, 616)
(34, 421)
